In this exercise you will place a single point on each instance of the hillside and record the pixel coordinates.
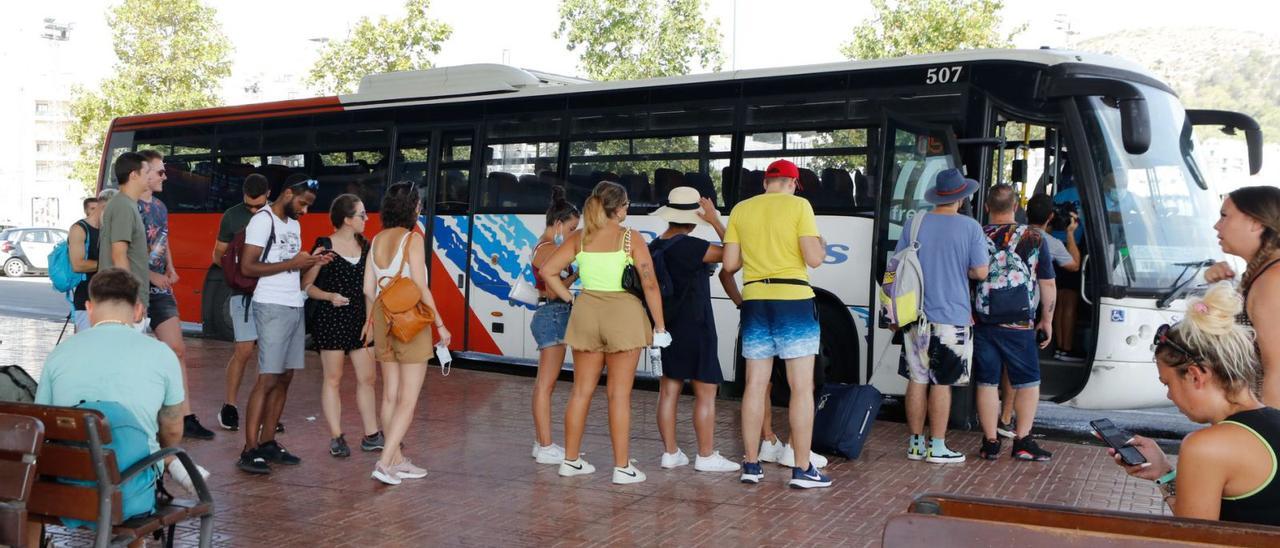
(1208, 67)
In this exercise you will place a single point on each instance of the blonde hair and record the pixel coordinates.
(605, 199)
(1221, 345)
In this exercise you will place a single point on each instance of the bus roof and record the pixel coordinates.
(481, 82)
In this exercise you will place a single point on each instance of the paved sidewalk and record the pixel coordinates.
(473, 434)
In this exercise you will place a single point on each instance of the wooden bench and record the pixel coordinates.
(914, 530)
(1105, 522)
(21, 439)
(74, 449)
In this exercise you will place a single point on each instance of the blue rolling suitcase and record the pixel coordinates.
(844, 416)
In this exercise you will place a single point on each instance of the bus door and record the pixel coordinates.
(913, 155)
(439, 161)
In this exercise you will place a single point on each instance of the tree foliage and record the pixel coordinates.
(633, 39)
(378, 46)
(170, 55)
(913, 27)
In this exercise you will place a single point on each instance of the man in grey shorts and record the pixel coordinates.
(273, 253)
(234, 220)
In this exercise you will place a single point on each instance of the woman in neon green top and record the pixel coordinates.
(1226, 471)
(608, 325)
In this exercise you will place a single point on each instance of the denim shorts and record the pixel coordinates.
(995, 346)
(786, 329)
(549, 323)
(281, 337)
(161, 307)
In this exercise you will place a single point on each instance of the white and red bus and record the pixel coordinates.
(485, 143)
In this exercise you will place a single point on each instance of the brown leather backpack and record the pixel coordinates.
(402, 304)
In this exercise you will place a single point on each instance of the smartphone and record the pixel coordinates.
(1116, 438)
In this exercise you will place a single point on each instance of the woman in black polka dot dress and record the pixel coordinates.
(337, 292)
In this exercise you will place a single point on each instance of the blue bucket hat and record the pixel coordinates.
(950, 186)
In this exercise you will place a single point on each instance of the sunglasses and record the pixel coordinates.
(254, 207)
(1162, 339)
(307, 184)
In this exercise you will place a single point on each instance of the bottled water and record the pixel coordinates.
(655, 361)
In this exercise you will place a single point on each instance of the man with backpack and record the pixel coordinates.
(273, 254)
(82, 248)
(1020, 277)
(775, 236)
(234, 221)
(937, 346)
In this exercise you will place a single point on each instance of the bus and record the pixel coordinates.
(485, 144)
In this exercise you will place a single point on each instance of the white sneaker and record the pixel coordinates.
(578, 467)
(551, 454)
(675, 460)
(771, 451)
(788, 458)
(630, 474)
(715, 463)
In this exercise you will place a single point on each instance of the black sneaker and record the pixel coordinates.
(276, 453)
(990, 449)
(374, 442)
(251, 461)
(191, 428)
(338, 447)
(229, 417)
(1026, 449)
(1006, 430)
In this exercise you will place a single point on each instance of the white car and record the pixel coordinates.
(26, 250)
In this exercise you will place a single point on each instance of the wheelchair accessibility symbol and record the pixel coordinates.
(1117, 316)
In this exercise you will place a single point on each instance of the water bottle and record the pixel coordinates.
(655, 361)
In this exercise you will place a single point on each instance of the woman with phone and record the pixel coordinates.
(399, 252)
(608, 325)
(1226, 471)
(1249, 227)
(549, 323)
(336, 290)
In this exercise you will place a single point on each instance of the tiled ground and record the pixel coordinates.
(473, 433)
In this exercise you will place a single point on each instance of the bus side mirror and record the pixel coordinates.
(1135, 121)
(1230, 122)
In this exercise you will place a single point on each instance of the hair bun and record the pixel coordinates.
(557, 194)
(1215, 312)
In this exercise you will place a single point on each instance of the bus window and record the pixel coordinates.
(915, 159)
(453, 187)
(121, 142)
(833, 167)
(650, 167)
(519, 175)
(412, 155)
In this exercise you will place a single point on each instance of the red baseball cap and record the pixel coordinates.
(782, 168)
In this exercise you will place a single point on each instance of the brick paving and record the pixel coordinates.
(473, 434)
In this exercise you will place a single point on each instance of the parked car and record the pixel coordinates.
(26, 250)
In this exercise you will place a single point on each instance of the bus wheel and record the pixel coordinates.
(837, 359)
(214, 309)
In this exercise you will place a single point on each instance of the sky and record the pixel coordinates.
(276, 37)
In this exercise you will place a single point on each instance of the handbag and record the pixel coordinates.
(524, 292)
(630, 276)
(402, 304)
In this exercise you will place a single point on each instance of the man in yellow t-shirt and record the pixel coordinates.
(775, 237)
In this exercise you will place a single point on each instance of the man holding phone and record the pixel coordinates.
(1007, 334)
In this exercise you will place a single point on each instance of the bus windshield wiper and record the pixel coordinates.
(1179, 285)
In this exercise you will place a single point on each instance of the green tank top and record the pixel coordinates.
(602, 270)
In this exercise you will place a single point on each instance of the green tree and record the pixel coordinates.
(633, 39)
(913, 27)
(378, 46)
(170, 55)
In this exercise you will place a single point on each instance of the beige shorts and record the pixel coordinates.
(608, 321)
(391, 349)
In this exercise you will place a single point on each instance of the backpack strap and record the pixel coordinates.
(915, 230)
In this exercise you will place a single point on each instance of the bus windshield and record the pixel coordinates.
(1159, 210)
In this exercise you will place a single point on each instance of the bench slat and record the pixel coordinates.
(60, 423)
(71, 462)
(914, 530)
(51, 499)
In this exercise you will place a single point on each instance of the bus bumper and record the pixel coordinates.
(1121, 385)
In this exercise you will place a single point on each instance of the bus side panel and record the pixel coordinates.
(191, 238)
(500, 248)
(448, 265)
(846, 271)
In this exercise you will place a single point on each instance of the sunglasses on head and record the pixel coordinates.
(311, 184)
(1162, 339)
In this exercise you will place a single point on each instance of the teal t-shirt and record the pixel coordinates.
(114, 363)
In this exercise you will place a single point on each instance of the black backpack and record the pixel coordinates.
(16, 385)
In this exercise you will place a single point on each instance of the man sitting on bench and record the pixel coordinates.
(112, 362)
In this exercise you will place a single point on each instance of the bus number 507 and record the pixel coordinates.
(942, 75)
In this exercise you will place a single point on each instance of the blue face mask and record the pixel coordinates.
(559, 239)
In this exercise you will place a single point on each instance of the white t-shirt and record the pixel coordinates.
(284, 288)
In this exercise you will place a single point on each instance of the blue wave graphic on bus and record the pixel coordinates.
(499, 255)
